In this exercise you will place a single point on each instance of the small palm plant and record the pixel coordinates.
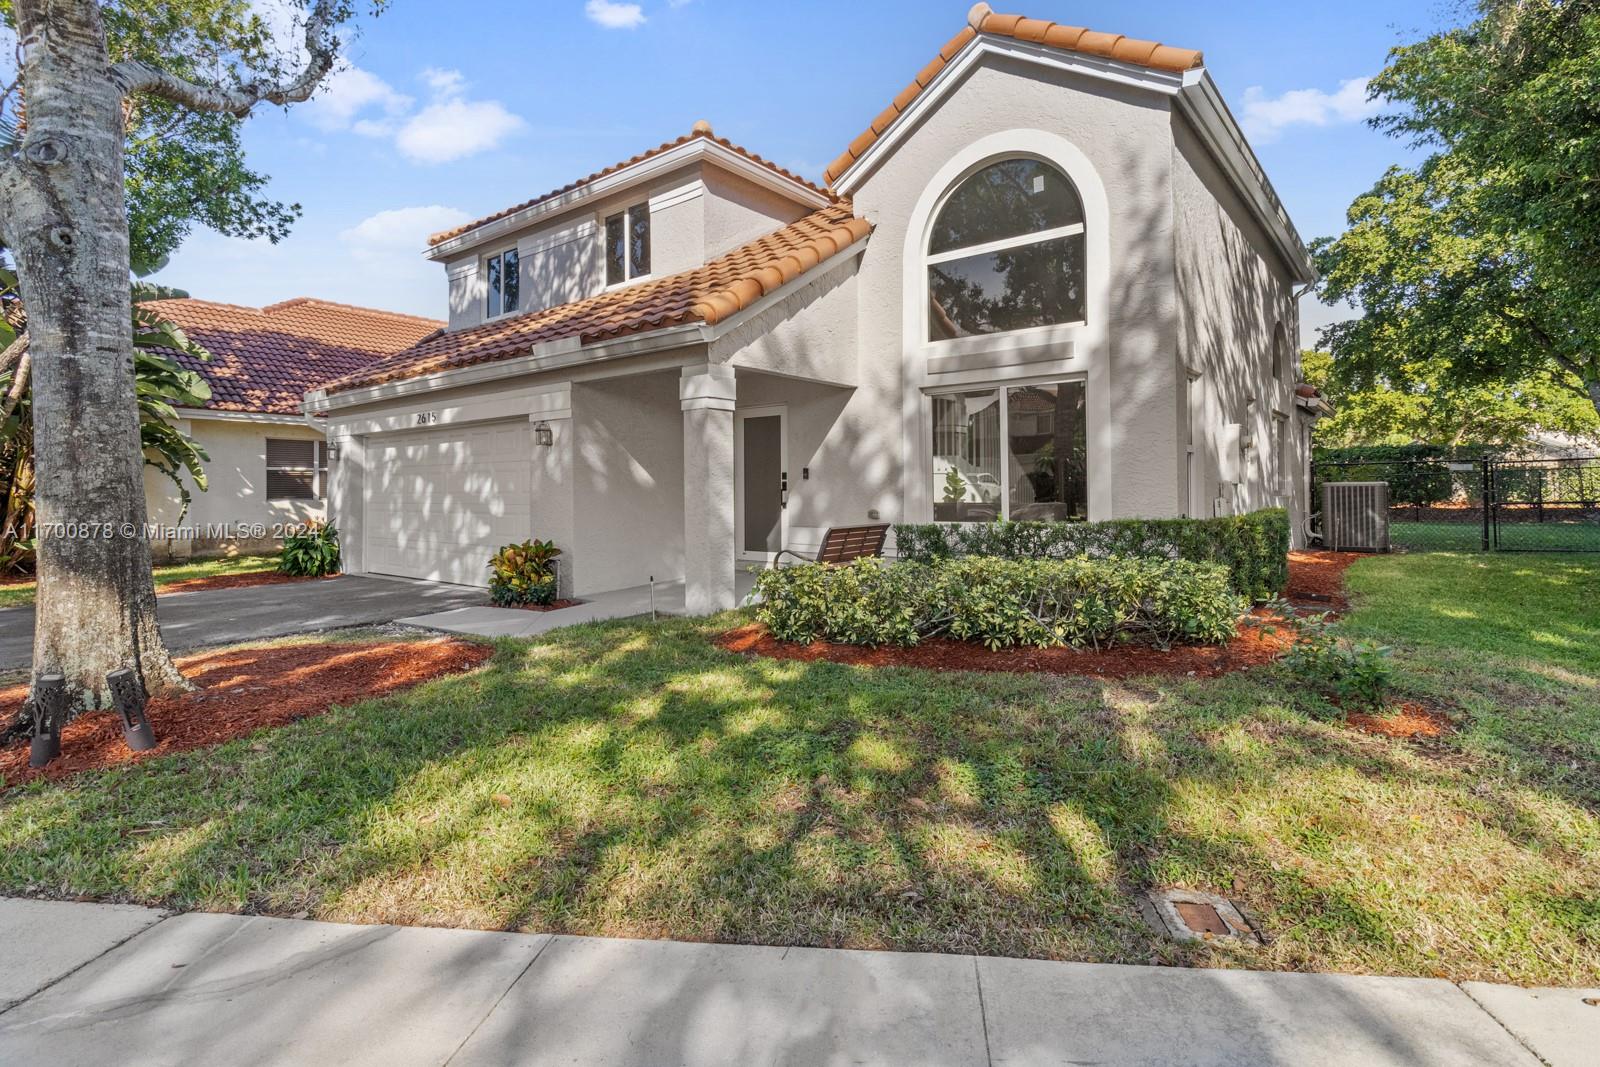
(524, 574)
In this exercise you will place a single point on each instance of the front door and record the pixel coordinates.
(763, 482)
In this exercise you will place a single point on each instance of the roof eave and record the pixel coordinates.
(569, 352)
(1196, 96)
(699, 149)
(1202, 104)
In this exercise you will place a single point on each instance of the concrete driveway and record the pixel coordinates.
(225, 616)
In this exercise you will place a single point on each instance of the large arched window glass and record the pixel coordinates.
(1006, 252)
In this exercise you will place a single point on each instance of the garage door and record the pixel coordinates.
(439, 502)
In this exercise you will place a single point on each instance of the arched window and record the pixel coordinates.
(1280, 353)
(1006, 252)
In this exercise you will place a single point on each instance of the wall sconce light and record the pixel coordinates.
(333, 450)
(542, 434)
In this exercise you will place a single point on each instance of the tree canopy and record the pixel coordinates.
(1479, 268)
(186, 167)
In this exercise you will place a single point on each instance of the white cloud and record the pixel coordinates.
(450, 126)
(451, 129)
(1265, 117)
(444, 82)
(352, 91)
(401, 229)
(614, 16)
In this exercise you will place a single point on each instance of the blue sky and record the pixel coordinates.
(450, 111)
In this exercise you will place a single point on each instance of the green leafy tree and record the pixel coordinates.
(1427, 407)
(1480, 266)
(88, 70)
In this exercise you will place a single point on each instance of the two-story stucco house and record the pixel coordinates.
(1050, 280)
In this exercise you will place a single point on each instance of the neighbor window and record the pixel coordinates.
(628, 244)
(1006, 252)
(505, 283)
(296, 470)
(1020, 452)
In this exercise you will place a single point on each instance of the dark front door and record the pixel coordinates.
(762, 485)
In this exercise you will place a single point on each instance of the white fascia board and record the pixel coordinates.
(266, 418)
(947, 79)
(1196, 97)
(821, 270)
(1201, 103)
(568, 352)
(546, 356)
(701, 149)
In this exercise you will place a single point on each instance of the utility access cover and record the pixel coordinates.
(1187, 915)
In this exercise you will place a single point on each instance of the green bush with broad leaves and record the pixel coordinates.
(524, 574)
(1355, 674)
(1254, 548)
(312, 553)
(1001, 603)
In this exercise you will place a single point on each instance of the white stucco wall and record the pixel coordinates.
(627, 482)
(1235, 295)
(1118, 139)
(697, 212)
(237, 478)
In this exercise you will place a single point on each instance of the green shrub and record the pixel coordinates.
(1254, 548)
(1000, 602)
(1356, 674)
(312, 553)
(524, 574)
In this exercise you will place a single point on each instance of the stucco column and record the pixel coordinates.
(550, 491)
(706, 394)
(347, 475)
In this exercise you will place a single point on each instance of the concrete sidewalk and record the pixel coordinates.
(93, 985)
(487, 621)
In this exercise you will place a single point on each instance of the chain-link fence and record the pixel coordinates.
(1488, 504)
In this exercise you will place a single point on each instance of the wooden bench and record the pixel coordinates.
(841, 544)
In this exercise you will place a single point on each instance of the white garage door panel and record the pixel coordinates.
(441, 501)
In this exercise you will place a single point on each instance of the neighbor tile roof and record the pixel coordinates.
(708, 294)
(982, 20)
(702, 130)
(265, 359)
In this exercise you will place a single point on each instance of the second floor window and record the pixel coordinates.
(505, 283)
(1006, 252)
(628, 244)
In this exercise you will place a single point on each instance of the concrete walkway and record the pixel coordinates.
(228, 616)
(483, 621)
(94, 985)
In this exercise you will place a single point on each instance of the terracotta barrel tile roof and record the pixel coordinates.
(982, 20)
(702, 130)
(264, 360)
(708, 294)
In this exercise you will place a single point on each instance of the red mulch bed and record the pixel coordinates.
(242, 690)
(1409, 721)
(1317, 578)
(235, 581)
(1314, 577)
(1251, 648)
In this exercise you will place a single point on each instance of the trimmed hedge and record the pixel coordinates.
(1254, 548)
(1000, 602)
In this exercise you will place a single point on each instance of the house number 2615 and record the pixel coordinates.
(427, 418)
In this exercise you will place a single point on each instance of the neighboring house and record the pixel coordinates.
(268, 465)
(1052, 265)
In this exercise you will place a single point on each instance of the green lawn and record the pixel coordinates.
(20, 593)
(635, 780)
(1514, 536)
